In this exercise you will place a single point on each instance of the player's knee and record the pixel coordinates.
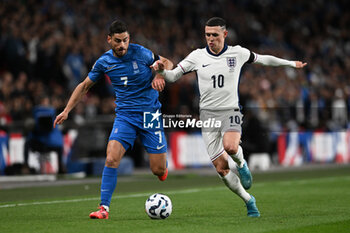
(231, 149)
(112, 162)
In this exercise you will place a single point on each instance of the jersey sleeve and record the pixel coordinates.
(97, 71)
(189, 63)
(148, 56)
(247, 56)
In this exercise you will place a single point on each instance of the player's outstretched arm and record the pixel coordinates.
(76, 96)
(269, 60)
(169, 75)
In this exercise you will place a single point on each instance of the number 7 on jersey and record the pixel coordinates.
(125, 79)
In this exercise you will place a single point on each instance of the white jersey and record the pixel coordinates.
(218, 75)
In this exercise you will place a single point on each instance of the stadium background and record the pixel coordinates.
(47, 48)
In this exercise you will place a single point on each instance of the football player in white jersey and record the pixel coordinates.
(218, 68)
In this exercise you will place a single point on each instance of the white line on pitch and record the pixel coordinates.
(303, 181)
(116, 197)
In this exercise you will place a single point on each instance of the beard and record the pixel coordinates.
(120, 52)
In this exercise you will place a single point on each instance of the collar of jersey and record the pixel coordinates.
(216, 55)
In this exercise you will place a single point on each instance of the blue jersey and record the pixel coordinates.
(131, 78)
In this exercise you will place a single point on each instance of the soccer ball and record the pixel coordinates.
(158, 206)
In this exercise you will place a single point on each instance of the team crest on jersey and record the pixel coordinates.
(136, 67)
(231, 63)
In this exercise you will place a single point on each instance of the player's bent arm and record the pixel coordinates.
(158, 82)
(269, 60)
(167, 63)
(172, 75)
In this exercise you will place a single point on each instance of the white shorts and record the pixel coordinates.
(231, 120)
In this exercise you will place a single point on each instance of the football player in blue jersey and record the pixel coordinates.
(137, 112)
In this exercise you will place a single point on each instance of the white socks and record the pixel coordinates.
(106, 207)
(232, 181)
(238, 158)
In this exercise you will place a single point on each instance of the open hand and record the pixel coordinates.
(158, 83)
(60, 119)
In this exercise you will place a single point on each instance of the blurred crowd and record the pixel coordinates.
(47, 47)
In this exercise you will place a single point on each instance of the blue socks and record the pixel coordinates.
(108, 184)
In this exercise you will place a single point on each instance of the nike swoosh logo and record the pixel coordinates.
(111, 67)
(160, 147)
(205, 65)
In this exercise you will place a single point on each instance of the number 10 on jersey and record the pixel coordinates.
(218, 81)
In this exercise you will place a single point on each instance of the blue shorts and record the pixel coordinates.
(127, 126)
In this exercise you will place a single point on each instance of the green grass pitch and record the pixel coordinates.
(315, 200)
